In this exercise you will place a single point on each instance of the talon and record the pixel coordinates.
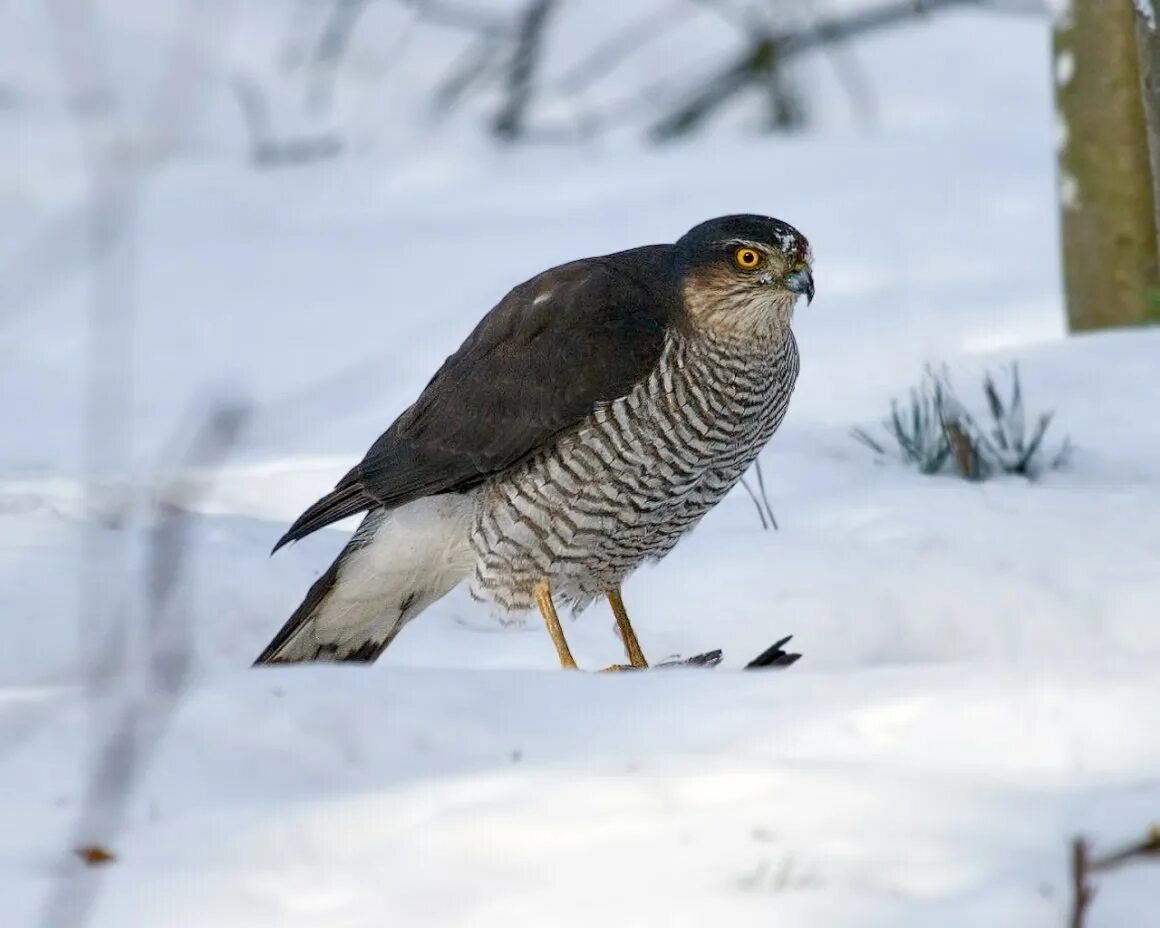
(618, 668)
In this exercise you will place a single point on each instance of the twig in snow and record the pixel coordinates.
(764, 498)
(756, 504)
(764, 511)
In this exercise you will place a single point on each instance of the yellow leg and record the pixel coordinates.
(627, 635)
(543, 594)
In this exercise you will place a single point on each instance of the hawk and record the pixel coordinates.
(589, 421)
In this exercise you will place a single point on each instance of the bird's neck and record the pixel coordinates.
(754, 323)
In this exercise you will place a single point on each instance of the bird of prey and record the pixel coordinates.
(589, 421)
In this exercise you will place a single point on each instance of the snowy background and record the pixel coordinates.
(979, 682)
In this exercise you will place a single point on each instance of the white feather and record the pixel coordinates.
(415, 555)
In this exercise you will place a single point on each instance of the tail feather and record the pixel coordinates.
(292, 643)
(337, 504)
(396, 564)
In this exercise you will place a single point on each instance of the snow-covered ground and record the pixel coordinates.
(979, 682)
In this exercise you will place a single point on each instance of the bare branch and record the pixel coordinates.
(509, 121)
(456, 16)
(476, 66)
(769, 51)
(764, 497)
(1081, 890)
(756, 504)
(1084, 865)
(266, 151)
(332, 45)
(854, 82)
(604, 58)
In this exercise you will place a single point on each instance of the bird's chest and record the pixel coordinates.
(684, 436)
(632, 479)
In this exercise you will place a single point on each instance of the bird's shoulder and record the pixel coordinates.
(572, 336)
(612, 297)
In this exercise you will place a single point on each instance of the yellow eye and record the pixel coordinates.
(747, 258)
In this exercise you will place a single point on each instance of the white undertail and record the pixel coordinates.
(398, 563)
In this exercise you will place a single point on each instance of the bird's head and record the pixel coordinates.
(742, 275)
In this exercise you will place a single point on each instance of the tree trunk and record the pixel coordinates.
(1105, 185)
(1148, 44)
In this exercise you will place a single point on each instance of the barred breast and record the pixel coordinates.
(626, 484)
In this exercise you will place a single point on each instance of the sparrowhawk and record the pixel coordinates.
(589, 421)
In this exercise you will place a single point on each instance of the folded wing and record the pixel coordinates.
(554, 349)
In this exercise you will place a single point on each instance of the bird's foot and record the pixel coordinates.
(620, 668)
(775, 657)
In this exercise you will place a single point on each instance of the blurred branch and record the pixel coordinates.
(854, 81)
(610, 54)
(1084, 865)
(100, 235)
(863, 22)
(336, 32)
(108, 220)
(478, 64)
(332, 45)
(130, 738)
(266, 151)
(521, 72)
(761, 63)
(764, 57)
(508, 51)
(117, 158)
(457, 16)
(740, 17)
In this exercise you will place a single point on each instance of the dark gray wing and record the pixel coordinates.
(554, 348)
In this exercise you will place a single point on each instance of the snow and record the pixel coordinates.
(979, 677)
(1147, 11)
(1062, 13)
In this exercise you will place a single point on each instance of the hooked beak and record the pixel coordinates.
(801, 281)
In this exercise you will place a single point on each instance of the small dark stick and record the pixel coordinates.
(1081, 890)
(1084, 865)
(756, 504)
(764, 498)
